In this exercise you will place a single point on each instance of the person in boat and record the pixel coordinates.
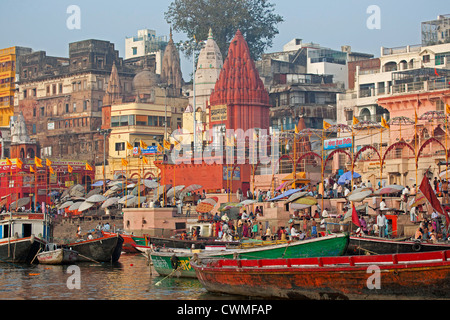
(419, 233)
(313, 228)
(381, 223)
(294, 233)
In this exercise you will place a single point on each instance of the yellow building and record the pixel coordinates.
(136, 121)
(8, 65)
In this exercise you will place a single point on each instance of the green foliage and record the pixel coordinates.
(254, 18)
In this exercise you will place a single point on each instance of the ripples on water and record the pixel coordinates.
(129, 279)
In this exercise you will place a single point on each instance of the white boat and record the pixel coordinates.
(54, 255)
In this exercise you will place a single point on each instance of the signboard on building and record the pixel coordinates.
(337, 143)
(50, 126)
(219, 113)
(147, 151)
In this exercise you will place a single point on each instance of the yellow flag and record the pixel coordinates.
(229, 141)
(166, 144)
(143, 144)
(69, 168)
(48, 163)
(8, 162)
(88, 167)
(415, 117)
(326, 125)
(160, 148)
(37, 162)
(32, 169)
(145, 160)
(384, 123)
(355, 121)
(51, 170)
(129, 146)
(124, 162)
(296, 129)
(447, 109)
(19, 163)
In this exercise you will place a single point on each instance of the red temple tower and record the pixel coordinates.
(239, 99)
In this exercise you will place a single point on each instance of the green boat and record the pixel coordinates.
(176, 261)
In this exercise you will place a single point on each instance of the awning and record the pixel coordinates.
(298, 175)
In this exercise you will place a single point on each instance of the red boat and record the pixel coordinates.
(128, 242)
(394, 276)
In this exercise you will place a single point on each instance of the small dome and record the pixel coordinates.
(144, 81)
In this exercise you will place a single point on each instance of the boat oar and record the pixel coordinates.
(87, 258)
(36, 255)
(174, 270)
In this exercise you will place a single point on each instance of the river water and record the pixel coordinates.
(129, 279)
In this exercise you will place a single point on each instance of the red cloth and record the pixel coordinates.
(355, 218)
(428, 192)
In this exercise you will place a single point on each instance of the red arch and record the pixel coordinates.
(364, 149)
(333, 153)
(307, 155)
(396, 145)
(427, 142)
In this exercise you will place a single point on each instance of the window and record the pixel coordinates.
(24, 93)
(48, 90)
(34, 127)
(100, 84)
(54, 89)
(134, 51)
(34, 112)
(84, 84)
(60, 88)
(85, 105)
(115, 121)
(42, 111)
(33, 92)
(426, 58)
(67, 108)
(120, 146)
(141, 120)
(74, 107)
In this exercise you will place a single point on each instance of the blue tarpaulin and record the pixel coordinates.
(285, 194)
(348, 176)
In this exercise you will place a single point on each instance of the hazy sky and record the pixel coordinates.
(41, 24)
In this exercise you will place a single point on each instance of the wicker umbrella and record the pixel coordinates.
(110, 202)
(66, 204)
(85, 206)
(75, 206)
(96, 198)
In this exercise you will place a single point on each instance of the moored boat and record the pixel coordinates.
(21, 236)
(377, 245)
(165, 262)
(104, 249)
(54, 255)
(411, 275)
(129, 242)
(180, 243)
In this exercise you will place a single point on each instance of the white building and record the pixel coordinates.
(146, 43)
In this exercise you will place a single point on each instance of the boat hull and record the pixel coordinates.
(22, 250)
(333, 245)
(58, 256)
(375, 245)
(104, 249)
(181, 244)
(409, 276)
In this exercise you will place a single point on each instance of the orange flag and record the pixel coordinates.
(8, 162)
(32, 170)
(88, 167)
(69, 168)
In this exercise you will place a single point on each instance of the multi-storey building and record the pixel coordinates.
(415, 77)
(8, 65)
(61, 98)
(146, 44)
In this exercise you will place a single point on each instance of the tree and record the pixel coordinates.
(254, 18)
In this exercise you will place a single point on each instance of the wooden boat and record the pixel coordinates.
(54, 255)
(201, 243)
(377, 245)
(104, 249)
(129, 242)
(18, 236)
(165, 262)
(412, 275)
